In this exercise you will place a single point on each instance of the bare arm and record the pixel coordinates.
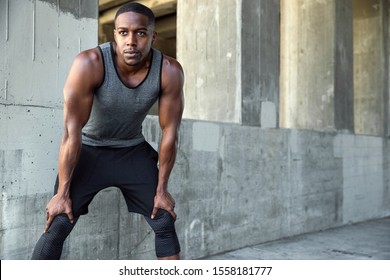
(171, 106)
(78, 98)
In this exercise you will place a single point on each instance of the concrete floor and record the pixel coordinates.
(363, 241)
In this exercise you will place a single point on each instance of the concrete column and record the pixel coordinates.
(386, 70)
(38, 41)
(307, 64)
(231, 60)
(260, 62)
(343, 65)
(208, 46)
(368, 67)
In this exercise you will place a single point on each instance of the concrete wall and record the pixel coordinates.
(231, 181)
(38, 40)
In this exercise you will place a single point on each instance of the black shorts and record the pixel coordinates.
(133, 170)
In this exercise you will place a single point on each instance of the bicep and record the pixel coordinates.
(171, 103)
(78, 94)
(171, 109)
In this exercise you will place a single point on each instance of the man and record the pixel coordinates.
(107, 95)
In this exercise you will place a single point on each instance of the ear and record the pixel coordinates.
(154, 37)
(114, 34)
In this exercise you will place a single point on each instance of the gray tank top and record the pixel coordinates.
(117, 110)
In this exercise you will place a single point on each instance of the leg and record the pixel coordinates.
(166, 241)
(89, 177)
(49, 246)
(138, 179)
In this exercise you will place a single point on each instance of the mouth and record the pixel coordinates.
(131, 53)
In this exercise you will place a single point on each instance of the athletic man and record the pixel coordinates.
(107, 95)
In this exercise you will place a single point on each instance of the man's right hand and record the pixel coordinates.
(58, 205)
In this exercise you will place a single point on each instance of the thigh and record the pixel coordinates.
(87, 179)
(138, 178)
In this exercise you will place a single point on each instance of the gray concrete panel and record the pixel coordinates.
(78, 8)
(386, 52)
(208, 47)
(19, 46)
(89, 9)
(70, 6)
(343, 76)
(3, 43)
(260, 46)
(368, 68)
(307, 64)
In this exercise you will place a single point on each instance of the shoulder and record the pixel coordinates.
(88, 65)
(171, 70)
(88, 59)
(171, 65)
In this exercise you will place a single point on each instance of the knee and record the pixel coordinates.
(49, 246)
(162, 224)
(167, 243)
(60, 227)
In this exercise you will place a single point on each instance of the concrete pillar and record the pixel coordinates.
(343, 65)
(386, 69)
(231, 60)
(260, 44)
(307, 64)
(386, 93)
(368, 67)
(209, 47)
(38, 41)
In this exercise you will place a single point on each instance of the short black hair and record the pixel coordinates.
(137, 8)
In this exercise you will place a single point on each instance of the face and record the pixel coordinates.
(133, 38)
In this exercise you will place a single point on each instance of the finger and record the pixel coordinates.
(48, 223)
(70, 217)
(173, 214)
(154, 212)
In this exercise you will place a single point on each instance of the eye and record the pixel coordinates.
(141, 33)
(123, 33)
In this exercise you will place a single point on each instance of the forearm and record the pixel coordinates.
(68, 158)
(167, 156)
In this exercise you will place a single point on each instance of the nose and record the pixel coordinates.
(131, 40)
